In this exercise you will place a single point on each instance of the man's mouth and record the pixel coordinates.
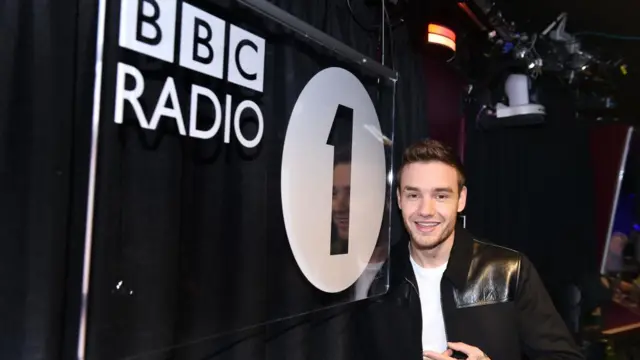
(426, 226)
(341, 220)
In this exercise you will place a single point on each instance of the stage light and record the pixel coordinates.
(440, 35)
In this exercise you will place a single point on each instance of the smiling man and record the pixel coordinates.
(452, 296)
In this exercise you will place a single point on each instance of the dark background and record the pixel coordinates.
(188, 239)
(608, 29)
(47, 81)
(529, 188)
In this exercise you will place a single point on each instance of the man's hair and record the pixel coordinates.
(429, 150)
(342, 155)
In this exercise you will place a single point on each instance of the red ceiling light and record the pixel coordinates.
(471, 15)
(440, 35)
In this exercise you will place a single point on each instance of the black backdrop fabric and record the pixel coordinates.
(37, 70)
(531, 188)
(188, 238)
(46, 78)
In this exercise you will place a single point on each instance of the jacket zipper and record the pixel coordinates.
(446, 333)
(415, 288)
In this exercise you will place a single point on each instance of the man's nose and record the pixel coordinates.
(427, 207)
(342, 199)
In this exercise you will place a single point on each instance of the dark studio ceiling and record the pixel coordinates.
(612, 17)
(604, 28)
(609, 29)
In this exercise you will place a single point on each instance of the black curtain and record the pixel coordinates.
(37, 71)
(531, 188)
(46, 77)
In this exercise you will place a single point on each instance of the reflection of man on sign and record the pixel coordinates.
(340, 222)
(333, 111)
(340, 202)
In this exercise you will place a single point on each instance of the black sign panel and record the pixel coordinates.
(239, 176)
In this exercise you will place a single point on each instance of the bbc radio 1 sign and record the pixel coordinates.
(148, 27)
(307, 180)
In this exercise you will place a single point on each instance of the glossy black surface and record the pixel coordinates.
(188, 234)
(493, 277)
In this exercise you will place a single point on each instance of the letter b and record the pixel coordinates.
(202, 41)
(148, 27)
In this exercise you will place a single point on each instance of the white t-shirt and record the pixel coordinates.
(434, 337)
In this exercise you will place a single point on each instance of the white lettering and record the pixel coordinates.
(168, 92)
(148, 27)
(132, 96)
(193, 116)
(227, 119)
(202, 41)
(246, 59)
(168, 105)
(248, 104)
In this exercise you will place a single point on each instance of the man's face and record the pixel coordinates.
(340, 203)
(429, 199)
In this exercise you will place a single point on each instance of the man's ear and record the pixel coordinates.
(462, 200)
(398, 197)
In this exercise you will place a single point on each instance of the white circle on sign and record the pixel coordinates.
(307, 180)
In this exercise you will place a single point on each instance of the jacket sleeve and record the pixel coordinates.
(543, 333)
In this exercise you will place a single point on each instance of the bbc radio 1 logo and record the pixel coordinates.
(307, 178)
(148, 27)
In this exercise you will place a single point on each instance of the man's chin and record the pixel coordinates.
(427, 242)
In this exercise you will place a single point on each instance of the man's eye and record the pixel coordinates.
(442, 196)
(412, 196)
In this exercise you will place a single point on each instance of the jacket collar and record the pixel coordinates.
(457, 268)
(460, 258)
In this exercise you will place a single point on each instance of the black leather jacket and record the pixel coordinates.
(492, 298)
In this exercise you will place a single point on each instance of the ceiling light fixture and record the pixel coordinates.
(440, 35)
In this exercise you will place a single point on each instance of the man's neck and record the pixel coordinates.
(432, 258)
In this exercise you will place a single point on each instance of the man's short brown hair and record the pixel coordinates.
(429, 150)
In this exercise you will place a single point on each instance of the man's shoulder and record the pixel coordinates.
(492, 275)
(498, 260)
(488, 249)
